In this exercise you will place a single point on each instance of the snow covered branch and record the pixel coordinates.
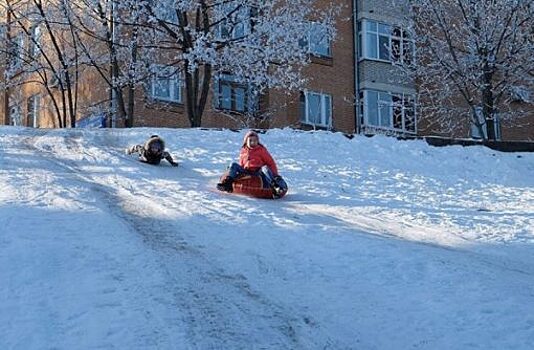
(472, 57)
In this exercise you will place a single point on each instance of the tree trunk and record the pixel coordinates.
(197, 90)
(120, 109)
(70, 97)
(7, 64)
(6, 107)
(129, 123)
(64, 108)
(488, 104)
(119, 103)
(190, 87)
(131, 78)
(197, 84)
(206, 82)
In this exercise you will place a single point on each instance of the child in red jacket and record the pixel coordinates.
(254, 159)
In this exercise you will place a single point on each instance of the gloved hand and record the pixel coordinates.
(174, 164)
(275, 184)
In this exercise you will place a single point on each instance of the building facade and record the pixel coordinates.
(354, 85)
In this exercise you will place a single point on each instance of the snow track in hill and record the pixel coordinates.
(92, 288)
(220, 310)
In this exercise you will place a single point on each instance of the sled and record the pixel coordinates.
(254, 186)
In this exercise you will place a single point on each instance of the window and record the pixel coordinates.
(387, 110)
(17, 50)
(408, 105)
(317, 40)
(237, 23)
(232, 95)
(316, 109)
(166, 84)
(167, 14)
(378, 41)
(35, 42)
(33, 110)
(15, 115)
(95, 120)
(475, 130)
(520, 94)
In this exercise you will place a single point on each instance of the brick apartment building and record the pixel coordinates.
(353, 86)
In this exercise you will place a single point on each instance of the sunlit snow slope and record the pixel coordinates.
(380, 244)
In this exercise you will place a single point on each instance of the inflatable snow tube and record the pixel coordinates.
(254, 186)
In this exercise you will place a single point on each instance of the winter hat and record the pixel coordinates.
(155, 142)
(249, 134)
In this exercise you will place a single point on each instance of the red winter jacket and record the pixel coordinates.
(254, 158)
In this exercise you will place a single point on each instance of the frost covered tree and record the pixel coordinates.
(474, 58)
(40, 48)
(53, 43)
(257, 42)
(112, 34)
(260, 44)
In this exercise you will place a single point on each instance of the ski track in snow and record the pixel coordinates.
(386, 245)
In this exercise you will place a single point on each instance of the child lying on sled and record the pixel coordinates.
(152, 152)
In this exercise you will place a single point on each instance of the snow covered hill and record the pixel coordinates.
(380, 244)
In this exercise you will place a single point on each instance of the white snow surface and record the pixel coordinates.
(379, 244)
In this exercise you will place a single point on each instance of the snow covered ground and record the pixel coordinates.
(380, 244)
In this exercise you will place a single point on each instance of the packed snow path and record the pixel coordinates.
(380, 244)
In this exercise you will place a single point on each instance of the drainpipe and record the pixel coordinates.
(355, 62)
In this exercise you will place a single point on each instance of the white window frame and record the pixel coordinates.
(175, 83)
(243, 23)
(474, 131)
(497, 126)
(404, 104)
(310, 44)
(35, 41)
(15, 115)
(169, 15)
(325, 100)
(250, 99)
(18, 50)
(35, 113)
(386, 32)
